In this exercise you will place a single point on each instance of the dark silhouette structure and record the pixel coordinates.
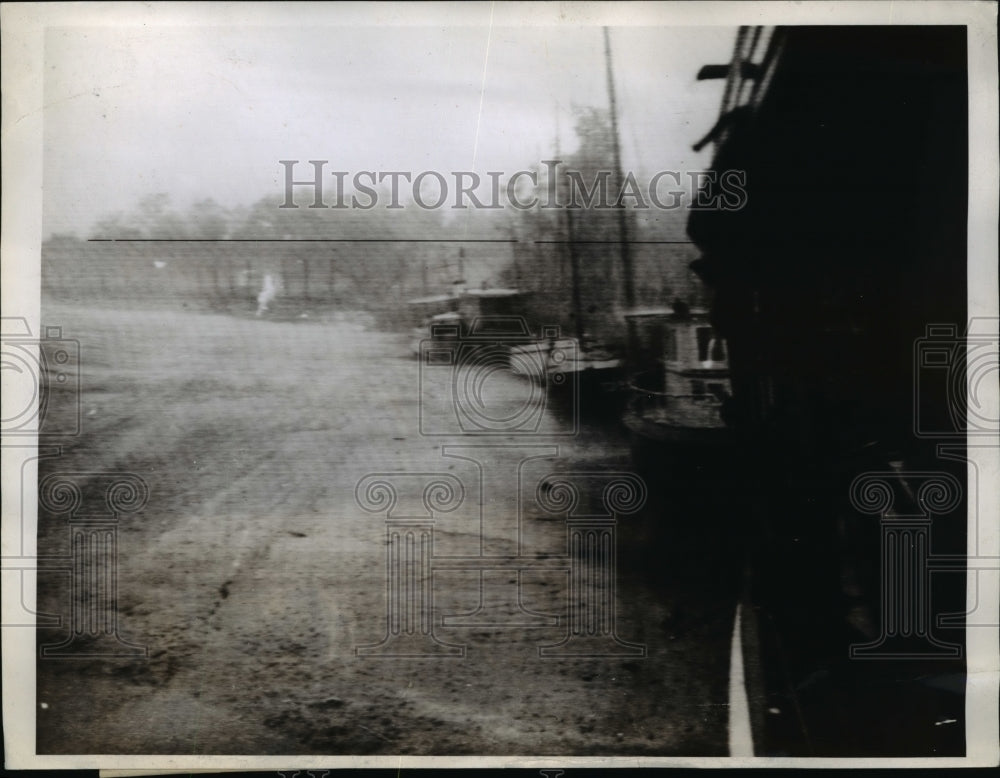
(851, 245)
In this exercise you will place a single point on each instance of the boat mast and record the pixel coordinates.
(622, 221)
(574, 259)
(574, 267)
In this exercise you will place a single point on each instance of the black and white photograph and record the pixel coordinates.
(513, 385)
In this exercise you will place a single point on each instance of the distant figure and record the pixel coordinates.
(266, 294)
(681, 308)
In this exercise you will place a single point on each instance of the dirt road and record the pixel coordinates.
(252, 574)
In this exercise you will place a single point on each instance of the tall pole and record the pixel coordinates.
(622, 222)
(574, 259)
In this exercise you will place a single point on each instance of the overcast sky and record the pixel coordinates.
(200, 112)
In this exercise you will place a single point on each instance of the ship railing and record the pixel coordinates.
(648, 397)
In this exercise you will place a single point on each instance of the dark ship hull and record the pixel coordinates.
(852, 241)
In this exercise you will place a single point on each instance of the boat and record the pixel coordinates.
(584, 357)
(677, 392)
(439, 327)
(484, 316)
(578, 371)
(490, 302)
(421, 308)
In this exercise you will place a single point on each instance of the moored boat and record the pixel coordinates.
(675, 398)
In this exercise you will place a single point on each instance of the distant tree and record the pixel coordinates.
(593, 128)
(207, 219)
(262, 219)
(60, 241)
(116, 226)
(158, 220)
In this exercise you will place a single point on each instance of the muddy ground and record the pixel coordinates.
(252, 575)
